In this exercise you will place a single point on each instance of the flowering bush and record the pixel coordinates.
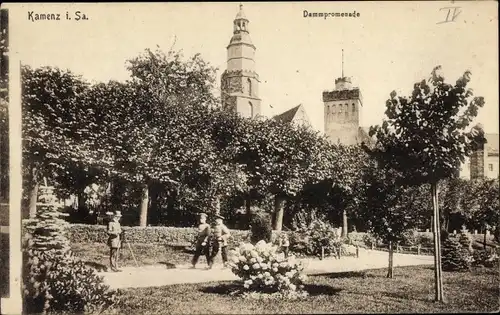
(309, 241)
(263, 270)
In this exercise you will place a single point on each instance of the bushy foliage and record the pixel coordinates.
(261, 229)
(410, 238)
(48, 232)
(309, 240)
(465, 240)
(368, 240)
(53, 279)
(263, 270)
(485, 258)
(455, 256)
(55, 282)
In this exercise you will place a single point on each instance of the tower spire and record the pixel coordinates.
(342, 63)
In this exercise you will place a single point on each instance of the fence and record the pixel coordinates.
(342, 251)
(400, 249)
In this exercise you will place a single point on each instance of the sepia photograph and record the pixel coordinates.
(249, 157)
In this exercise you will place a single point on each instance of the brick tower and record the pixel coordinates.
(342, 111)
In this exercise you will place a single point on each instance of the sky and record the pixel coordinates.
(390, 46)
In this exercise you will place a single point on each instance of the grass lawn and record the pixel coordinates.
(411, 291)
(145, 254)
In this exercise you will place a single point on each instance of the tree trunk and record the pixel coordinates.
(344, 223)
(279, 205)
(83, 211)
(248, 206)
(33, 198)
(437, 245)
(217, 205)
(484, 238)
(143, 220)
(390, 269)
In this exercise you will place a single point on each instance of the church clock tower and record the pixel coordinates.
(240, 82)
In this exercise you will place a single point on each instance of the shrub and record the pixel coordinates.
(465, 240)
(62, 283)
(426, 239)
(53, 280)
(48, 232)
(262, 270)
(309, 241)
(486, 258)
(411, 238)
(360, 239)
(455, 257)
(369, 240)
(261, 229)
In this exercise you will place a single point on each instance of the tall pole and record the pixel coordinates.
(342, 63)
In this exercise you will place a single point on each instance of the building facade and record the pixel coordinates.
(483, 163)
(342, 110)
(240, 81)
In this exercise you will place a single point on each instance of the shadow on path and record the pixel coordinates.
(222, 289)
(235, 287)
(321, 289)
(347, 274)
(168, 265)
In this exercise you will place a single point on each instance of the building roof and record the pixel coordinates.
(491, 145)
(287, 116)
(296, 114)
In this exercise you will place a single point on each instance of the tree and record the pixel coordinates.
(389, 209)
(279, 159)
(451, 193)
(348, 168)
(487, 212)
(427, 130)
(174, 96)
(51, 122)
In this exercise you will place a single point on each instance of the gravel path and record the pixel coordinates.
(160, 275)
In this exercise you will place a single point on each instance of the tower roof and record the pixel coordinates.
(240, 29)
(241, 14)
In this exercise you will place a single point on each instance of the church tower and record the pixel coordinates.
(240, 82)
(342, 111)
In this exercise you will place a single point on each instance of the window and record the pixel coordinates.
(346, 110)
(340, 109)
(249, 83)
(490, 167)
(251, 109)
(353, 107)
(333, 109)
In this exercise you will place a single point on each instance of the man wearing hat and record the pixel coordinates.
(202, 241)
(219, 240)
(114, 242)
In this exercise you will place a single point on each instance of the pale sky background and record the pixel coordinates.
(390, 46)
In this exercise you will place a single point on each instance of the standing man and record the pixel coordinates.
(114, 242)
(202, 241)
(219, 240)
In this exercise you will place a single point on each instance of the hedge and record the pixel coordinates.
(85, 233)
(82, 233)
